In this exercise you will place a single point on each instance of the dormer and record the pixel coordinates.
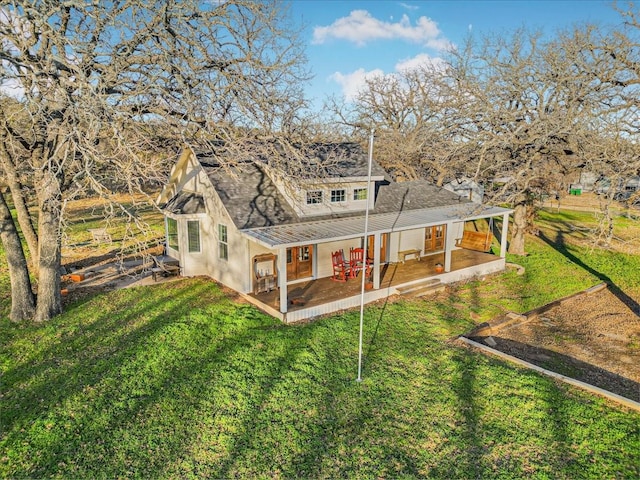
(334, 183)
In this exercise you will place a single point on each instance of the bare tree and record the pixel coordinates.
(526, 116)
(413, 128)
(11, 154)
(22, 300)
(96, 81)
(522, 114)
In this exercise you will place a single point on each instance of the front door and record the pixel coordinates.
(383, 247)
(299, 262)
(434, 238)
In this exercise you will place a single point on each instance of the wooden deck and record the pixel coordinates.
(313, 293)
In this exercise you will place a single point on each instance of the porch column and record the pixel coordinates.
(376, 261)
(282, 279)
(449, 243)
(503, 237)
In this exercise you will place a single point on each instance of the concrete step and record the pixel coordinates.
(423, 288)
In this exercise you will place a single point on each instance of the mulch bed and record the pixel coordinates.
(593, 337)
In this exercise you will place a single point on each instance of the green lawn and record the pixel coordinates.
(178, 380)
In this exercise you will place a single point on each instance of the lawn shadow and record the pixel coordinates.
(561, 247)
(568, 366)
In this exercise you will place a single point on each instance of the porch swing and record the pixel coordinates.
(478, 241)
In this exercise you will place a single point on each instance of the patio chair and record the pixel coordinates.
(341, 269)
(356, 262)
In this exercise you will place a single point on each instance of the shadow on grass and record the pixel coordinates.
(569, 366)
(84, 353)
(560, 246)
(189, 383)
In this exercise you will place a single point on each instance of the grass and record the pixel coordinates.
(86, 214)
(181, 380)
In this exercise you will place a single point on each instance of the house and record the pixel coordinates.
(467, 188)
(625, 185)
(271, 237)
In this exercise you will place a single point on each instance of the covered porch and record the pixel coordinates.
(309, 298)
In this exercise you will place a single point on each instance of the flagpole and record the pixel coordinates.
(364, 259)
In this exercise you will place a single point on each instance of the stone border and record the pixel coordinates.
(627, 402)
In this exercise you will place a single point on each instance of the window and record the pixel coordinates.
(193, 234)
(338, 196)
(172, 233)
(360, 194)
(223, 246)
(314, 197)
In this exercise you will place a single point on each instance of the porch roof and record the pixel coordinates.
(353, 227)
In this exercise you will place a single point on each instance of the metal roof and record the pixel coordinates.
(353, 227)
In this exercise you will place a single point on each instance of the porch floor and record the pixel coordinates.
(325, 290)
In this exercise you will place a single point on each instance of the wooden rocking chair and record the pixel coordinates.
(356, 262)
(341, 269)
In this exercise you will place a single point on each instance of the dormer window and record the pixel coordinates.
(314, 197)
(360, 194)
(338, 196)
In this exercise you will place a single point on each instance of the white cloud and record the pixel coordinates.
(360, 27)
(409, 7)
(352, 83)
(419, 61)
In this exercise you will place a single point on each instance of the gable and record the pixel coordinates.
(250, 197)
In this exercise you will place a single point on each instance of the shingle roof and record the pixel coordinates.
(185, 203)
(250, 197)
(413, 195)
(341, 160)
(253, 200)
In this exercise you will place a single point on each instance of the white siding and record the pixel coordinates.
(298, 198)
(233, 272)
(407, 240)
(323, 255)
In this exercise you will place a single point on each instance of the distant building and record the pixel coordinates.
(466, 188)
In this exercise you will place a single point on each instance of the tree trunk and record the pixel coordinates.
(20, 204)
(518, 229)
(22, 300)
(49, 299)
(606, 225)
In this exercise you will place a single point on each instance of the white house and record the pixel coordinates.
(467, 188)
(271, 238)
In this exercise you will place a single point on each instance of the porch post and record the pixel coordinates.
(376, 261)
(503, 237)
(449, 242)
(282, 279)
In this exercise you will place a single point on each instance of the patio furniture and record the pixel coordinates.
(164, 266)
(356, 262)
(100, 235)
(341, 270)
(478, 241)
(402, 254)
(266, 276)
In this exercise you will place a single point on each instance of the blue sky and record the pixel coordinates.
(348, 40)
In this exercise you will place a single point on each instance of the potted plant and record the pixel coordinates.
(368, 282)
(439, 268)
